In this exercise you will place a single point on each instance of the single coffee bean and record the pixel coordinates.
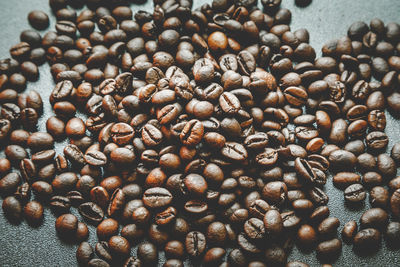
(157, 197)
(392, 233)
(12, 209)
(328, 226)
(329, 249)
(354, 193)
(147, 253)
(349, 231)
(95, 158)
(368, 239)
(375, 218)
(60, 204)
(38, 19)
(91, 211)
(195, 243)
(103, 251)
(66, 225)
(377, 140)
(33, 213)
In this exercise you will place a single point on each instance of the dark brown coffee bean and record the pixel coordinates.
(395, 203)
(246, 62)
(296, 96)
(229, 103)
(60, 204)
(91, 212)
(329, 249)
(151, 135)
(377, 140)
(66, 225)
(375, 218)
(234, 151)
(254, 228)
(147, 253)
(368, 238)
(342, 159)
(386, 165)
(192, 133)
(267, 158)
(318, 196)
(195, 243)
(84, 253)
(12, 209)
(33, 213)
(354, 193)
(117, 202)
(273, 223)
(392, 233)
(9, 183)
(74, 154)
(157, 197)
(306, 235)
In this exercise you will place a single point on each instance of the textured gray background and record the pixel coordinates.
(325, 19)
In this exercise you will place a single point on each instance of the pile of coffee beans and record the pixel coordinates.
(205, 134)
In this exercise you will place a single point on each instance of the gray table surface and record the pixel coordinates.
(325, 19)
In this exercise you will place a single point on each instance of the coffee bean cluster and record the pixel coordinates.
(207, 134)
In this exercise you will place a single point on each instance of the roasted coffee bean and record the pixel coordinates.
(103, 251)
(342, 159)
(147, 253)
(367, 239)
(395, 203)
(328, 226)
(33, 213)
(117, 201)
(84, 253)
(267, 158)
(318, 196)
(246, 62)
(119, 246)
(151, 135)
(386, 165)
(74, 154)
(392, 233)
(379, 197)
(5, 128)
(95, 158)
(395, 153)
(254, 228)
(377, 140)
(354, 193)
(60, 204)
(273, 222)
(9, 183)
(91, 212)
(195, 243)
(306, 235)
(375, 218)
(66, 225)
(38, 19)
(329, 249)
(304, 170)
(75, 197)
(157, 197)
(12, 209)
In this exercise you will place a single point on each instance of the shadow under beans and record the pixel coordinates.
(355, 206)
(366, 251)
(306, 249)
(330, 259)
(303, 3)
